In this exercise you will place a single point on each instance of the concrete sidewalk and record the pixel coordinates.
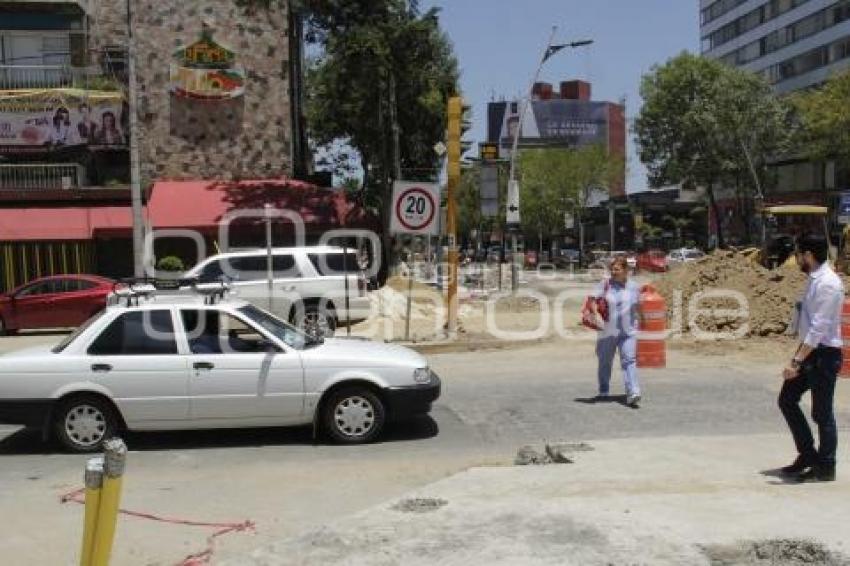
(639, 501)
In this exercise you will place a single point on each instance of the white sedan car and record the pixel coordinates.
(179, 362)
(684, 255)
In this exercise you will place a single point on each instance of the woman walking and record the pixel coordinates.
(619, 332)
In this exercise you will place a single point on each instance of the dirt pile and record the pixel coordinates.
(732, 279)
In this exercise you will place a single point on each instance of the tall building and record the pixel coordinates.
(568, 118)
(796, 45)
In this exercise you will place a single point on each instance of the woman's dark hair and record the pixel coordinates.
(816, 244)
(111, 116)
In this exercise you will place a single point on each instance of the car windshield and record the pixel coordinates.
(73, 335)
(287, 333)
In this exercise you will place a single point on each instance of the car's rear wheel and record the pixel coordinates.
(353, 415)
(83, 423)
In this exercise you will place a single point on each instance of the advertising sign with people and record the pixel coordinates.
(55, 118)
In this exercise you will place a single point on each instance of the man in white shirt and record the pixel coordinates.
(815, 365)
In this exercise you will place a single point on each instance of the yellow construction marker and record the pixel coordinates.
(94, 483)
(115, 455)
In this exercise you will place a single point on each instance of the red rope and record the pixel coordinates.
(202, 557)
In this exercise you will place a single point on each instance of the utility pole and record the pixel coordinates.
(513, 186)
(135, 168)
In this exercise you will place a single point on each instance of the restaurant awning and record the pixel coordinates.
(192, 205)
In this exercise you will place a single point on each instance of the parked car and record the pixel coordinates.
(309, 285)
(186, 362)
(57, 301)
(495, 254)
(684, 255)
(653, 260)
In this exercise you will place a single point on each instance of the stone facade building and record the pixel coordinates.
(218, 91)
(250, 136)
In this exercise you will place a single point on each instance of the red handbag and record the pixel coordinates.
(588, 320)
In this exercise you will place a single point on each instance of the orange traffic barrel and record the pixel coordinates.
(651, 350)
(845, 335)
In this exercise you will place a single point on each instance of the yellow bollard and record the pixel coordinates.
(115, 454)
(94, 483)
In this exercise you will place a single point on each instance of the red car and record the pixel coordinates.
(53, 302)
(653, 260)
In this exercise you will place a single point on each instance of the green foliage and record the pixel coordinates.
(554, 181)
(170, 263)
(825, 117)
(704, 123)
(374, 52)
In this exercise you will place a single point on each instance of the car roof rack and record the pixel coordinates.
(132, 289)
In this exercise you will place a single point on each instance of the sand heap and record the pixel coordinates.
(771, 295)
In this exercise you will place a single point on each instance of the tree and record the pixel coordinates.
(384, 73)
(825, 118)
(679, 224)
(704, 123)
(556, 181)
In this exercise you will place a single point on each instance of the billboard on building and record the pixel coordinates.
(549, 123)
(55, 118)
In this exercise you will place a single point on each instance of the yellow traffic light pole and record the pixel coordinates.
(455, 148)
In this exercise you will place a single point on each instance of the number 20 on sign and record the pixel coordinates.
(415, 208)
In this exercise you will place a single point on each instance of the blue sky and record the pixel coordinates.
(499, 43)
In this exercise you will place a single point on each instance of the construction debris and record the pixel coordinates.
(770, 296)
(555, 453)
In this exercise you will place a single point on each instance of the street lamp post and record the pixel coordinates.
(551, 49)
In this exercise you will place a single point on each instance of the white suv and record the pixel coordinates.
(308, 285)
(184, 361)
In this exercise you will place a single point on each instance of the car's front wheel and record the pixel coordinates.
(354, 415)
(83, 423)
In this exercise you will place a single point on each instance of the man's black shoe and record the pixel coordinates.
(817, 473)
(801, 464)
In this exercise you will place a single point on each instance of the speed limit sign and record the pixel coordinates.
(415, 208)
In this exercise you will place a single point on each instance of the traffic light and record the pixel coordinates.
(458, 125)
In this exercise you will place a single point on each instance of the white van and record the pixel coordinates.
(308, 285)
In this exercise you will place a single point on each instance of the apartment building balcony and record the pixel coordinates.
(18, 77)
(56, 182)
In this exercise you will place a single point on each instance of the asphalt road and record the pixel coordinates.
(492, 403)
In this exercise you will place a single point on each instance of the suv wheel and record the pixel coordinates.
(353, 415)
(84, 423)
(316, 320)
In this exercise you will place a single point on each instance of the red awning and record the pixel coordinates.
(195, 205)
(50, 224)
(202, 205)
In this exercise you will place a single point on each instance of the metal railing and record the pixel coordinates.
(14, 77)
(36, 76)
(41, 176)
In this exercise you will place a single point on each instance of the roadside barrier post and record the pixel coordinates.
(651, 350)
(94, 483)
(115, 455)
(845, 334)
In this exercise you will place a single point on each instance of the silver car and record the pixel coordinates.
(163, 362)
